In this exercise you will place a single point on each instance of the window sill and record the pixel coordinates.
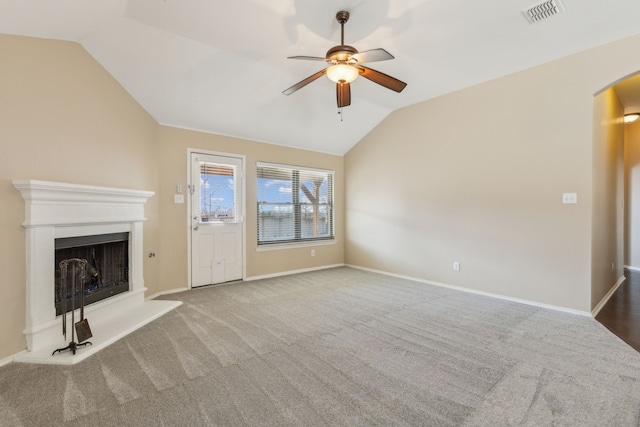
(280, 246)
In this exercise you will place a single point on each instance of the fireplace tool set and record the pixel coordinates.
(74, 268)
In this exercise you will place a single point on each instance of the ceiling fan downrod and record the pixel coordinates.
(342, 17)
(342, 52)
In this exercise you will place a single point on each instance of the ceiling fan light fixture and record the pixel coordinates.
(345, 65)
(632, 117)
(342, 73)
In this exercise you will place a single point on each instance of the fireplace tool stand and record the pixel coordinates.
(71, 267)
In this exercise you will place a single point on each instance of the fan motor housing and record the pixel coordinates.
(341, 52)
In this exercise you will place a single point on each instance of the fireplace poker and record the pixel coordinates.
(82, 263)
(64, 297)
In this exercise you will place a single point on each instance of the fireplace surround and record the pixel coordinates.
(58, 211)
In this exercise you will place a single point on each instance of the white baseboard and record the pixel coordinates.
(473, 291)
(631, 268)
(251, 278)
(10, 359)
(172, 291)
(606, 298)
(287, 273)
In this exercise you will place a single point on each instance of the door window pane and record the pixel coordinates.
(217, 193)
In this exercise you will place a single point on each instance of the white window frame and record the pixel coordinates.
(298, 240)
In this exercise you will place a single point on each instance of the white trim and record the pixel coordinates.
(11, 359)
(631, 268)
(172, 291)
(189, 213)
(293, 245)
(608, 296)
(287, 273)
(473, 291)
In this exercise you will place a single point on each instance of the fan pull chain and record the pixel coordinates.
(340, 113)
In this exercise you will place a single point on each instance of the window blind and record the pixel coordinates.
(294, 204)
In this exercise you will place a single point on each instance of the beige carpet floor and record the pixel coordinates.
(339, 347)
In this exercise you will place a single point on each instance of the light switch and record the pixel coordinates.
(179, 189)
(178, 198)
(569, 198)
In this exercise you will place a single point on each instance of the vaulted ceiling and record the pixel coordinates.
(221, 67)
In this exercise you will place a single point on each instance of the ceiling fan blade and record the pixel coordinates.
(382, 79)
(307, 58)
(343, 92)
(304, 82)
(372, 55)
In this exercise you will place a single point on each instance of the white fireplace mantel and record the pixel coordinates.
(57, 204)
(57, 210)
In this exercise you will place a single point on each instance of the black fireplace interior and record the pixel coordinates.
(107, 272)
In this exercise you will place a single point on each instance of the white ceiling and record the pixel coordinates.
(220, 66)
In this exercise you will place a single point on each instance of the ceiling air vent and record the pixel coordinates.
(543, 11)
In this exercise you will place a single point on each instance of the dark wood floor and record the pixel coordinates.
(621, 314)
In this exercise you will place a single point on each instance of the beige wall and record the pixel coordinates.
(63, 118)
(608, 190)
(174, 144)
(632, 194)
(477, 176)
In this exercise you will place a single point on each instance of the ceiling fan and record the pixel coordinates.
(345, 65)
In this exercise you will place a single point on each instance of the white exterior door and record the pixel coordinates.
(216, 219)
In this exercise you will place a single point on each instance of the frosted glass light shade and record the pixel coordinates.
(628, 118)
(342, 73)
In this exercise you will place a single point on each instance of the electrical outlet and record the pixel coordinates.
(456, 266)
(313, 252)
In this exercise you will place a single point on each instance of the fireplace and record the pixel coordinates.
(60, 217)
(107, 274)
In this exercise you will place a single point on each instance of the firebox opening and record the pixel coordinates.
(107, 272)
